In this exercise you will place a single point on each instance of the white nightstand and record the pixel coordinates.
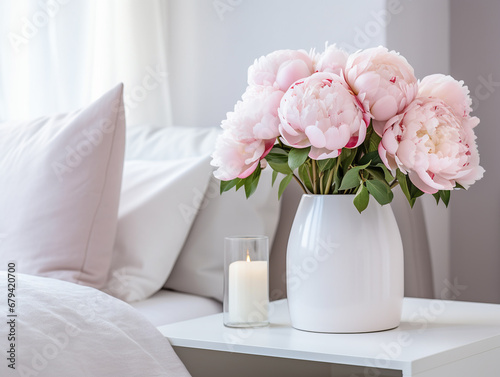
(435, 339)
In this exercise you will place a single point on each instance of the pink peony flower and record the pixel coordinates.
(238, 159)
(383, 81)
(454, 93)
(249, 134)
(333, 60)
(433, 145)
(258, 112)
(280, 69)
(322, 112)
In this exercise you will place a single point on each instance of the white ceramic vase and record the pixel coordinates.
(344, 269)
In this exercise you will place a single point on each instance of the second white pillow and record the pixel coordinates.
(159, 201)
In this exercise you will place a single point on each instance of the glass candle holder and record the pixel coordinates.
(246, 281)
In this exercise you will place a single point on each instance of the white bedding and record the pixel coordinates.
(63, 329)
(167, 306)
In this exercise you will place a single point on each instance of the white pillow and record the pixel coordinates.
(148, 142)
(199, 268)
(159, 201)
(60, 180)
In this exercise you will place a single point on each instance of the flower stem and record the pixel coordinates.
(329, 181)
(394, 184)
(300, 183)
(315, 176)
(333, 173)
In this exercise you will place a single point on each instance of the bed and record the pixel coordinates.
(108, 232)
(58, 328)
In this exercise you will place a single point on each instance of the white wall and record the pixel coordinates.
(212, 51)
(475, 215)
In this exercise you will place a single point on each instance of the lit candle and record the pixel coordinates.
(248, 291)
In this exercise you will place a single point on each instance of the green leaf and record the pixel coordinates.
(348, 156)
(372, 158)
(240, 184)
(415, 192)
(403, 183)
(277, 158)
(228, 185)
(411, 191)
(361, 199)
(277, 154)
(252, 181)
(351, 178)
(388, 175)
(275, 175)
(278, 149)
(380, 191)
(327, 164)
(377, 173)
(459, 186)
(445, 196)
(374, 142)
(283, 184)
(297, 157)
(282, 168)
(304, 177)
(368, 135)
(437, 197)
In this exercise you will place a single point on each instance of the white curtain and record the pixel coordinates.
(59, 55)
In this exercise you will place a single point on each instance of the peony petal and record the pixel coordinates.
(249, 171)
(343, 138)
(406, 152)
(287, 127)
(323, 153)
(384, 108)
(379, 126)
(265, 70)
(365, 82)
(291, 71)
(386, 158)
(389, 141)
(424, 182)
(454, 93)
(316, 137)
(268, 146)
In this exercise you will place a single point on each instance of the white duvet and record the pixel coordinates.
(67, 330)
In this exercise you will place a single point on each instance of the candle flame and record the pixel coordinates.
(248, 256)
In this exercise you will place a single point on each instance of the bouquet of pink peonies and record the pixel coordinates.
(349, 124)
